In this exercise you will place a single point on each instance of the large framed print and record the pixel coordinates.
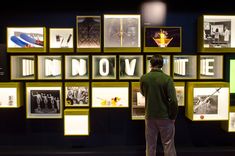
(49, 67)
(232, 76)
(22, 67)
(215, 33)
(229, 125)
(61, 40)
(76, 122)
(122, 33)
(211, 67)
(185, 67)
(207, 101)
(77, 67)
(26, 39)
(104, 67)
(44, 100)
(88, 33)
(162, 39)
(110, 94)
(166, 64)
(130, 67)
(11, 95)
(77, 94)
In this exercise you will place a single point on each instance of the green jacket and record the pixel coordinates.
(160, 97)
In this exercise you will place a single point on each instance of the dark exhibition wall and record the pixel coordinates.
(108, 127)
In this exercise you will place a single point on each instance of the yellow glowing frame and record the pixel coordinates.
(22, 78)
(77, 112)
(27, 50)
(19, 93)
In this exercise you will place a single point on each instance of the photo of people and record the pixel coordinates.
(77, 96)
(217, 33)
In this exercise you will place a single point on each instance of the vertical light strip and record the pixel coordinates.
(232, 76)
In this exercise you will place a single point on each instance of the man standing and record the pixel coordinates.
(161, 108)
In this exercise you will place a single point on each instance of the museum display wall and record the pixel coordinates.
(81, 88)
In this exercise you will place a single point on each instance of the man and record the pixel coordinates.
(161, 108)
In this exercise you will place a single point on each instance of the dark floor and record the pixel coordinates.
(111, 151)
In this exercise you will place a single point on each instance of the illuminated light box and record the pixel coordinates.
(229, 125)
(61, 40)
(166, 64)
(162, 39)
(26, 39)
(44, 100)
(77, 94)
(76, 67)
(130, 67)
(207, 101)
(138, 100)
(232, 76)
(122, 33)
(215, 33)
(88, 33)
(49, 67)
(11, 95)
(76, 122)
(23, 67)
(110, 94)
(103, 67)
(185, 67)
(211, 67)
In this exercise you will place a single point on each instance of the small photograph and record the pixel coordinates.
(232, 121)
(217, 32)
(180, 95)
(162, 37)
(8, 97)
(77, 96)
(138, 102)
(76, 67)
(61, 37)
(25, 37)
(121, 31)
(166, 64)
(88, 32)
(131, 67)
(104, 67)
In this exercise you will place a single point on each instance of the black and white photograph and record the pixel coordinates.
(217, 32)
(207, 104)
(232, 121)
(104, 67)
(88, 32)
(44, 102)
(61, 38)
(121, 31)
(131, 67)
(77, 96)
(185, 67)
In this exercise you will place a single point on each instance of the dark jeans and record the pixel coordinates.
(166, 128)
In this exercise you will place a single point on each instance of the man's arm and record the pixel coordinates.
(142, 86)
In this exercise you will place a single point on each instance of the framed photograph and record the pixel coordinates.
(180, 93)
(76, 67)
(61, 40)
(130, 67)
(26, 39)
(22, 67)
(211, 67)
(122, 33)
(76, 122)
(207, 101)
(110, 94)
(166, 64)
(162, 39)
(77, 94)
(49, 67)
(232, 76)
(185, 67)
(215, 33)
(104, 67)
(88, 33)
(11, 95)
(44, 100)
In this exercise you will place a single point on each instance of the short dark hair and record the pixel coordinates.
(156, 61)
